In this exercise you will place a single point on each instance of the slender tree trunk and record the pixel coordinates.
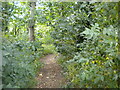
(31, 34)
(32, 21)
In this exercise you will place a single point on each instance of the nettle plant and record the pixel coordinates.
(95, 66)
(20, 63)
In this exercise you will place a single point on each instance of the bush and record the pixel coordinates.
(20, 63)
(96, 65)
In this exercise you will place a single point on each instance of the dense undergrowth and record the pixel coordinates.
(20, 63)
(88, 40)
(21, 60)
(96, 65)
(85, 34)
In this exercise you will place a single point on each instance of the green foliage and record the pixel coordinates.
(43, 34)
(84, 33)
(20, 63)
(49, 49)
(7, 9)
(68, 20)
(96, 65)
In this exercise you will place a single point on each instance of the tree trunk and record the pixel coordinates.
(32, 21)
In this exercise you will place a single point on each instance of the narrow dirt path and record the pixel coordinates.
(50, 75)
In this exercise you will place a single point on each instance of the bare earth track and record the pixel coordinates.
(50, 75)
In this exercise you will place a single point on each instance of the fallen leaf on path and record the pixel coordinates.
(40, 75)
(47, 77)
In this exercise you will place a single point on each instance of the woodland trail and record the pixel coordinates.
(50, 75)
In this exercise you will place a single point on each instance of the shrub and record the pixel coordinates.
(20, 63)
(96, 65)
